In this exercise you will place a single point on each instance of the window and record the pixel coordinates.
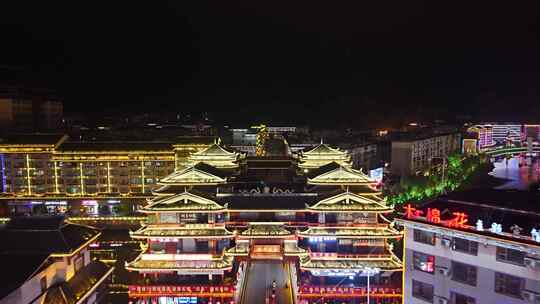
(466, 246)
(508, 285)
(422, 291)
(511, 256)
(43, 283)
(79, 263)
(464, 273)
(458, 298)
(425, 237)
(423, 262)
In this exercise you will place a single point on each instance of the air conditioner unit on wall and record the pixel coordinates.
(530, 296)
(441, 300)
(443, 271)
(446, 242)
(532, 262)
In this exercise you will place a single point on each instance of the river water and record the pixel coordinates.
(518, 171)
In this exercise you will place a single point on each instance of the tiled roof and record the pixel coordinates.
(78, 286)
(20, 268)
(44, 235)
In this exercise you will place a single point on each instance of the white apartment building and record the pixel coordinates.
(413, 154)
(451, 262)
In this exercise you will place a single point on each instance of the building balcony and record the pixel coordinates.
(181, 263)
(363, 232)
(332, 266)
(189, 231)
(266, 230)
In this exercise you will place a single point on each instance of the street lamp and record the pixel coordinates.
(368, 271)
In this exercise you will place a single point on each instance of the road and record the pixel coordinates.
(259, 283)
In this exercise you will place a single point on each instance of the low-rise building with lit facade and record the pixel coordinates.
(478, 139)
(50, 170)
(46, 260)
(327, 225)
(473, 251)
(412, 153)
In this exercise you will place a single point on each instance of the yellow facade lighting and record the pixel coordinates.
(56, 188)
(81, 177)
(142, 175)
(28, 182)
(109, 188)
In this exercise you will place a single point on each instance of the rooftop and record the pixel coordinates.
(112, 146)
(506, 208)
(43, 235)
(20, 268)
(76, 288)
(32, 139)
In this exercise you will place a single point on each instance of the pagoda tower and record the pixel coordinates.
(185, 240)
(322, 155)
(217, 156)
(350, 240)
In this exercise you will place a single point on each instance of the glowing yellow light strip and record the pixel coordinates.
(28, 183)
(56, 188)
(82, 177)
(404, 262)
(142, 175)
(109, 177)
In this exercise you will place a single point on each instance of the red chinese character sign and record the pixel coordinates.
(433, 215)
(459, 220)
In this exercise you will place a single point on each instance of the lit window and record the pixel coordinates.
(423, 262)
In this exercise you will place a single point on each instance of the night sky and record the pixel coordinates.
(348, 62)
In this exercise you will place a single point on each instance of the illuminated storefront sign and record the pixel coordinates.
(321, 238)
(433, 215)
(182, 292)
(376, 174)
(461, 219)
(176, 257)
(306, 291)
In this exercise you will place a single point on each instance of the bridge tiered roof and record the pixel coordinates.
(340, 175)
(217, 156)
(351, 202)
(186, 202)
(199, 174)
(321, 155)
